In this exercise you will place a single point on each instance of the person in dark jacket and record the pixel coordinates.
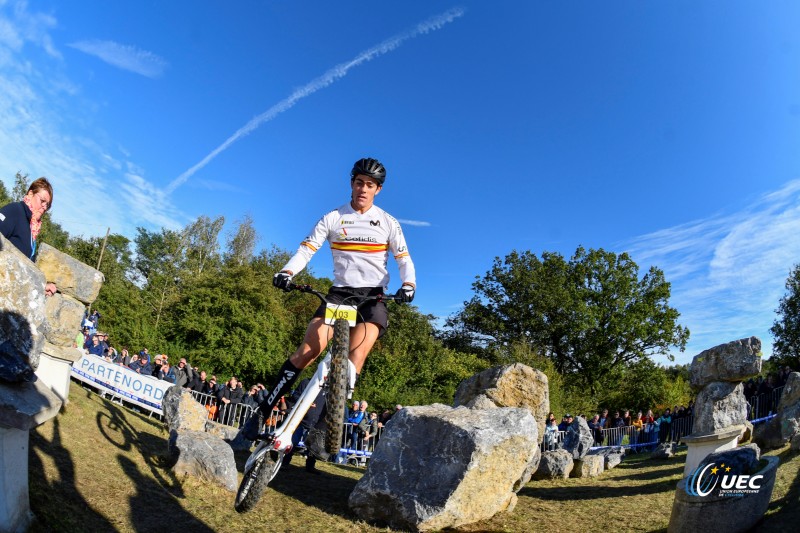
(20, 222)
(142, 365)
(229, 396)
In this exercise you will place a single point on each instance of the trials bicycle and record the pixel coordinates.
(335, 373)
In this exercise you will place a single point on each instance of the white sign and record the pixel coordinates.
(133, 387)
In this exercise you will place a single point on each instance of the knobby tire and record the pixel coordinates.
(337, 386)
(255, 481)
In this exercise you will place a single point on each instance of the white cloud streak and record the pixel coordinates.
(329, 77)
(418, 223)
(125, 57)
(728, 271)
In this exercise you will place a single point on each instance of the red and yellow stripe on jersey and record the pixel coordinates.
(360, 247)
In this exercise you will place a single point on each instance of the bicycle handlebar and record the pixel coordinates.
(361, 299)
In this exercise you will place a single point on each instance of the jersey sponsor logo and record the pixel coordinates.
(374, 222)
(401, 249)
(347, 238)
(344, 222)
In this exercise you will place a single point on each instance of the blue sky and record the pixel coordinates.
(666, 130)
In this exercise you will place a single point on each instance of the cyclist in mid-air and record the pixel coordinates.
(361, 235)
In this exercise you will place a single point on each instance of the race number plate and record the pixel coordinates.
(334, 312)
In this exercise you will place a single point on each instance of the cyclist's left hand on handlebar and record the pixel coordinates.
(405, 294)
(283, 281)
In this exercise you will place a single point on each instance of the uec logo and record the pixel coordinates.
(703, 481)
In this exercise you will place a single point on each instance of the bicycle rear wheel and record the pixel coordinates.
(257, 475)
(337, 386)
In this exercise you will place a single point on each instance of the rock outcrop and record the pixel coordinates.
(735, 361)
(555, 464)
(73, 278)
(719, 405)
(589, 466)
(785, 425)
(22, 322)
(182, 412)
(437, 467)
(578, 439)
(514, 385)
(203, 456)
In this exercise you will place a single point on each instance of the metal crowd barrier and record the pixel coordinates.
(229, 414)
(761, 408)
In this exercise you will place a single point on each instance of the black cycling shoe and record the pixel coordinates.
(315, 444)
(250, 429)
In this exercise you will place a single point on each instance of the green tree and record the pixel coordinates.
(20, 186)
(202, 246)
(242, 242)
(5, 198)
(592, 316)
(786, 328)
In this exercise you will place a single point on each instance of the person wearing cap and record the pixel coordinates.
(565, 422)
(184, 375)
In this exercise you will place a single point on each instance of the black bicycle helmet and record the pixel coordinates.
(371, 168)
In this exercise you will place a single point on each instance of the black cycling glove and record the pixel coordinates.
(283, 281)
(405, 294)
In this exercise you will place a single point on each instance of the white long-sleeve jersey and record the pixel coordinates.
(360, 244)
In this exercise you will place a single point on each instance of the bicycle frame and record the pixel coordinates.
(280, 440)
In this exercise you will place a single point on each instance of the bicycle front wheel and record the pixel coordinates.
(257, 475)
(337, 386)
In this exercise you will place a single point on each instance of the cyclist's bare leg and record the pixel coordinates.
(362, 339)
(318, 333)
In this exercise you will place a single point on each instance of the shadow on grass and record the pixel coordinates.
(784, 512)
(652, 474)
(150, 510)
(114, 425)
(74, 513)
(327, 491)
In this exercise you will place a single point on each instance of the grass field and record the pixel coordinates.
(101, 467)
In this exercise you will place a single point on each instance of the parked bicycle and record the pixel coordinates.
(335, 374)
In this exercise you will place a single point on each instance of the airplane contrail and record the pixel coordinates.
(336, 73)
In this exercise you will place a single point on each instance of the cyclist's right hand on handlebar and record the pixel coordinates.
(283, 281)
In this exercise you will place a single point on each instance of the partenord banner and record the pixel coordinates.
(133, 387)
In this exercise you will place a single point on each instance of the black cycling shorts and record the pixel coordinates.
(373, 311)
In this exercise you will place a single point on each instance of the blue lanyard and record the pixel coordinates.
(33, 246)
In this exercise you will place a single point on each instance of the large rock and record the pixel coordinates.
(767, 435)
(785, 425)
(61, 352)
(719, 405)
(233, 436)
(64, 315)
(22, 320)
(589, 466)
(612, 456)
(734, 361)
(24, 406)
(665, 450)
(203, 456)
(72, 277)
(514, 385)
(182, 412)
(437, 467)
(555, 464)
(578, 439)
(789, 407)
